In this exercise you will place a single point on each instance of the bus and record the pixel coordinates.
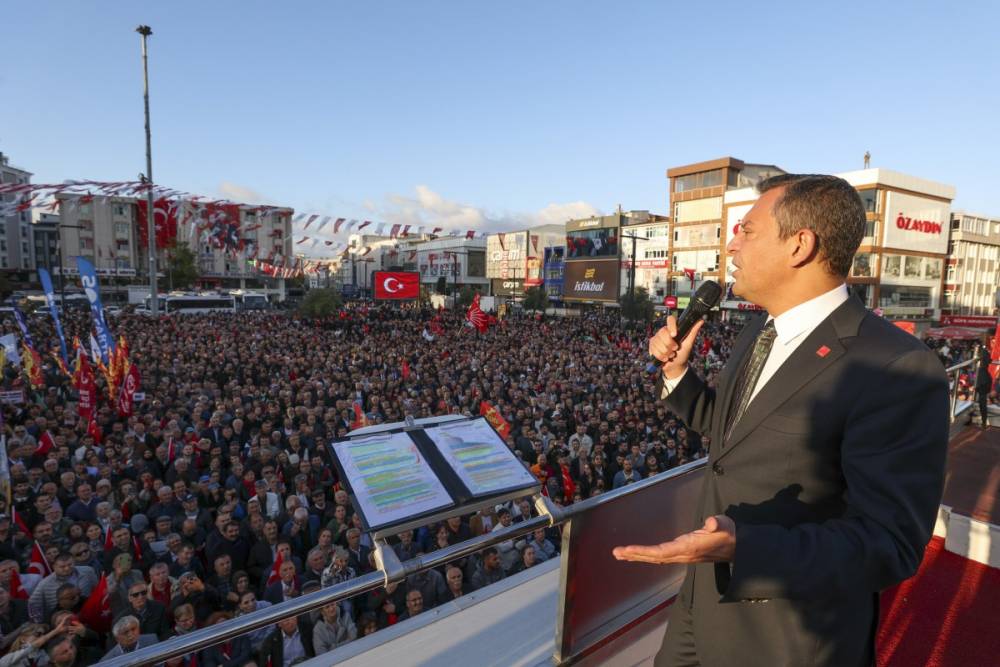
(196, 303)
(250, 300)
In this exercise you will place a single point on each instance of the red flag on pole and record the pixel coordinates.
(16, 590)
(275, 577)
(18, 521)
(477, 317)
(495, 419)
(38, 564)
(96, 611)
(94, 431)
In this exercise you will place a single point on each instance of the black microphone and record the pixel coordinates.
(705, 299)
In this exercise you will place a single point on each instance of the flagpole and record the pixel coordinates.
(154, 302)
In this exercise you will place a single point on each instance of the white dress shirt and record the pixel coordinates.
(792, 327)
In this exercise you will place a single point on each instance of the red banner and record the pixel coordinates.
(995, 354)
(397, 284)
(83, 380)
(164, 219)
(495, 419)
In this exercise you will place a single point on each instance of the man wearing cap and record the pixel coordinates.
(201, 517)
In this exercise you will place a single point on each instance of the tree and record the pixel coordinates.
(182, 267)
(536, 298)
(320, 302)
(637, 307)
(466, 295)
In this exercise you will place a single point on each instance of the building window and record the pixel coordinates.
(906, 296)
(870, 199)
(121, 228)
(119, 209)
(705, 179)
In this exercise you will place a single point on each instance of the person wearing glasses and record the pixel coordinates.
(151, 614)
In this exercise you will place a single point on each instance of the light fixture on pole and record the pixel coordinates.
(154, 302)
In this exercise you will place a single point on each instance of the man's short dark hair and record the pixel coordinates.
(828, 206)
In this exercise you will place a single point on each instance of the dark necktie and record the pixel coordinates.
(749, 375)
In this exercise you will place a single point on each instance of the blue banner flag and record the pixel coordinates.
(50, 299)
(88, 278)
(23, 326)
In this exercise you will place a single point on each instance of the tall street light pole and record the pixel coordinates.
(631, 273)
(154, 301)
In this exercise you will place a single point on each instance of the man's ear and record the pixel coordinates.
(804, 246)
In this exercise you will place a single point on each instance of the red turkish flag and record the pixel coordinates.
(397, 284)
(38, 563)
(164, 219)
(16, 590)
(96, 611)
(275, 577)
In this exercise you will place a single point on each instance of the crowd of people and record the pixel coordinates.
(217, 497)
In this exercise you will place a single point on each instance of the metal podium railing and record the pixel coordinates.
(652, 510)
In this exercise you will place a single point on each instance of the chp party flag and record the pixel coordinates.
(397, 284)
(479, 319)
(32, 364)
(495, 419)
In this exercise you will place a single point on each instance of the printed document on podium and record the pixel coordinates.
(481, 459)
(390, 479)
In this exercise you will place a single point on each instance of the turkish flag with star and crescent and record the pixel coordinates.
(397, 284)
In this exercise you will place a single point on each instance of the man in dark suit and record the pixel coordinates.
(291, 640)
(151, 614)
(829, 428)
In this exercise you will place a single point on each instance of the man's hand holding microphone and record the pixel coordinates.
(671, 348)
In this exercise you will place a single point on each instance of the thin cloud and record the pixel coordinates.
(240, 193)
(427, 207)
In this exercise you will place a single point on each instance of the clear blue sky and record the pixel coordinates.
(498, 112)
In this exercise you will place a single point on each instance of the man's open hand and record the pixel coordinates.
(714, 542)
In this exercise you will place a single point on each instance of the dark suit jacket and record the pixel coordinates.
(153, 620)
(273, 647)
(833, 477)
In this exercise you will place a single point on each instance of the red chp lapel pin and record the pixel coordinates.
(822, 351)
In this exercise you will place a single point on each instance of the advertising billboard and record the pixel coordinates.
(509, 287)
(916, 223)
(595, 280)
(506, 255)
(593, 238)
